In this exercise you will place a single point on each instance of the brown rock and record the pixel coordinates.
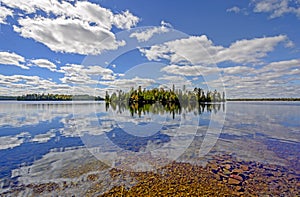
(223, 175)
(237, 177)
(227, 172)
(278, 174)
(244, 167)
(227, 166)
(291, 177)
(218, 177)
(214, 168)
(237, 171)
(233, 181)
(238, 188)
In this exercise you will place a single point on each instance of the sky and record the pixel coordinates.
(248, 49)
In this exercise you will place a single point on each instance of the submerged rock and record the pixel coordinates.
(232, 181)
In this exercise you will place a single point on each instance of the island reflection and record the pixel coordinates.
(171, 108)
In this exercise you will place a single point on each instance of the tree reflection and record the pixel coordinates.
(168, 108)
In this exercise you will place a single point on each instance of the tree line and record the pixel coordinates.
(164, 96)
(56, 97)
(265, 99)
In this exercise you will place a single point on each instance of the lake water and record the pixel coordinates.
(42, 142)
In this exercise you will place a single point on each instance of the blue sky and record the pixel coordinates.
(247, 48)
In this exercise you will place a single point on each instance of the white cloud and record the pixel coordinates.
(165, 24)
(195, 49)
(79, 74)
(82, 10)
(270, 80)
(4, 13)
(14, 59)
(190, 70)
(249, 51)
(43, 63)
(178, 81)
(21, 84)
(238, 10)
(125, 20)
(68, 35)
(281, 66)
(145, 35)
(276, 8)
(128, 83)
(98, 70)
(234, 9)
(81, 27)
(238, 70)
(201, 50)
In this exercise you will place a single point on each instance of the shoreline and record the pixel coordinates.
(264, 99)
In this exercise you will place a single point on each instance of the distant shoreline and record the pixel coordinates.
(264, 99)
(51, 97)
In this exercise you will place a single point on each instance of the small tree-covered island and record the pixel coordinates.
(164, 96)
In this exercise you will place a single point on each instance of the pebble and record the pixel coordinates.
(232, 181)
(227, 172)
(238, 171)
(244, 167)
(237, 177)
(227, 166)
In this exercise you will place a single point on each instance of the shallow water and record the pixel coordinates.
(43, 141)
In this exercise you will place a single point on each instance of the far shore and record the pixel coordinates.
(264, 99)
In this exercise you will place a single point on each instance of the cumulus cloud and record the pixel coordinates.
(4, 13)
(190, 70)
(237, 10)
(81, 27)
(126, 20)
(270, 80)
(68, 35)
(145, 35)
(13, 59)
(43, 63)
(280, 66)
(79, 74)
(20, 84)
(201, 50)
(234, 9)
(277, 8)
(167, 81)
(128, 83)
(238, 70)
(249, 51)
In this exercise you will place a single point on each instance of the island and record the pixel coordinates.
(163, 96)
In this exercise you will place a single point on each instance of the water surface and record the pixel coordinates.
(40, 141)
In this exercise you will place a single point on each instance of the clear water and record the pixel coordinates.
(39, 138)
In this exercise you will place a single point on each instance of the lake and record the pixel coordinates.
(83, 148)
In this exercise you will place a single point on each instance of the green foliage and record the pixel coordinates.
(44, 97)
(56, 97)
(164, 96)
